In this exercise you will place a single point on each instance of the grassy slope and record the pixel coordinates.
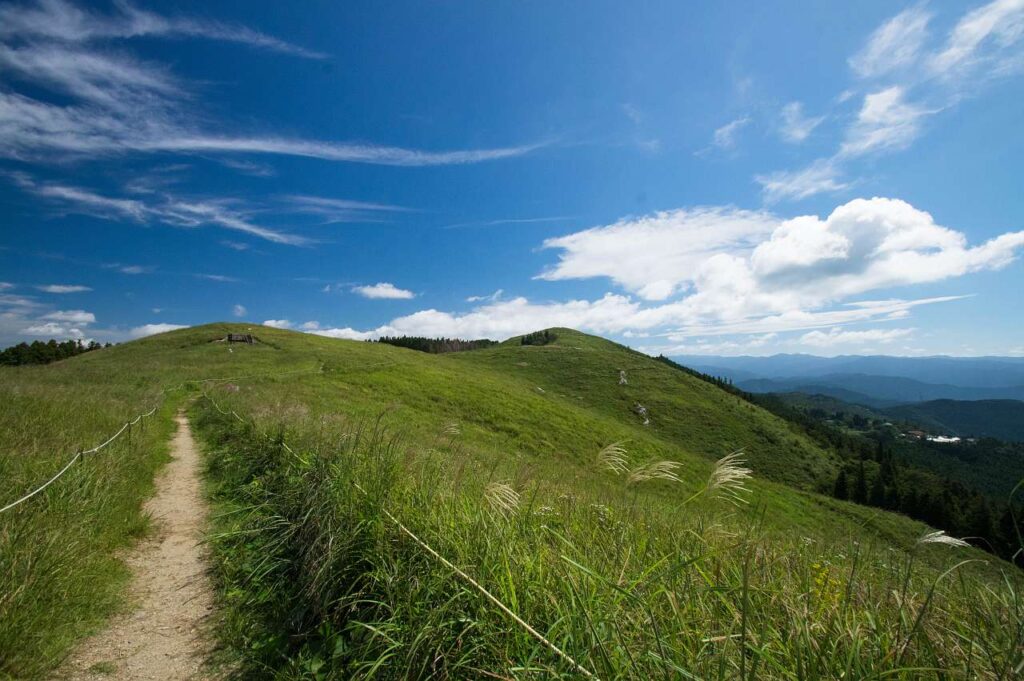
(509, 429)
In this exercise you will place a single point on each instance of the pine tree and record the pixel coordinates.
(842, 487)
(860, 485)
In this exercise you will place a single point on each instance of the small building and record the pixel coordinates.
(246, 338)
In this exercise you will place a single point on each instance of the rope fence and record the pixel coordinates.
(448, 564)
(76, 457)
(128, 424)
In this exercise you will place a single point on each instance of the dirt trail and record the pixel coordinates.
(163, 636)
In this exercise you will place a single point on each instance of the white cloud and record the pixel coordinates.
(6, 285)
(821, 176)
(222, 278)
(836, 336)
(725, 137)
(341, 210)
(278, 323)
(239, 310)
(53, 330)
(383, 290)
(164, 209)
(796, 127)
(908, 81)
(346, 333)
(63, 288)
(58, 20)
(894, 45)
(491, 298)
(984, 37)
(72, 316)
(658, 254)
(885, 121)
(114, 104)
(152, 329)
(134, 269)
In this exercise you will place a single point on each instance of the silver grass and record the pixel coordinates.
(940, 537)
(452, 429)
(613, 458)
(657, 470)
(502, 497)
(729, 477)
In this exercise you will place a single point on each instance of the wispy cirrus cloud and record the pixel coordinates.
(904, 77)
(796, 126)
(110, 103)
(726, 136)
(63, 21)
(333, 210)
(164, 209)
(63, 288)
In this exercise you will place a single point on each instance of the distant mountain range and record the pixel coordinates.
(877, 381)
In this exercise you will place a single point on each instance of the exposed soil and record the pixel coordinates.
(163, 635)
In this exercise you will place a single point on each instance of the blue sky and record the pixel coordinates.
(739, 178)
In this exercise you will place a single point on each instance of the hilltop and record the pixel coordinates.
(502, 459)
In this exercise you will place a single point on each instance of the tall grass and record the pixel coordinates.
(318, 581)
(60, 575)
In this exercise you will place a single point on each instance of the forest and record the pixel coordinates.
(40, 352)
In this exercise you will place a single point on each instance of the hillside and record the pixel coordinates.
(1002, 419)
(492, 458)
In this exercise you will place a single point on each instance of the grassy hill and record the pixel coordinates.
(491, 458)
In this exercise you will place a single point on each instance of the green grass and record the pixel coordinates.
(317, 582)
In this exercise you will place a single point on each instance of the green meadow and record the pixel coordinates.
(373, 506)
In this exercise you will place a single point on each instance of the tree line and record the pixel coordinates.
(44, 352)
(435, 345)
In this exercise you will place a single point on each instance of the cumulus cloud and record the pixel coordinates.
(345, 333)
(54, 330)
(836, 336)
(71, 316)
(63, 288)
(754, 273)
(152, 329)
(278, 323)
(656, 255)
(383, 290)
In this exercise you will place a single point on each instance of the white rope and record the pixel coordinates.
(75, 458)
(476, 585)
